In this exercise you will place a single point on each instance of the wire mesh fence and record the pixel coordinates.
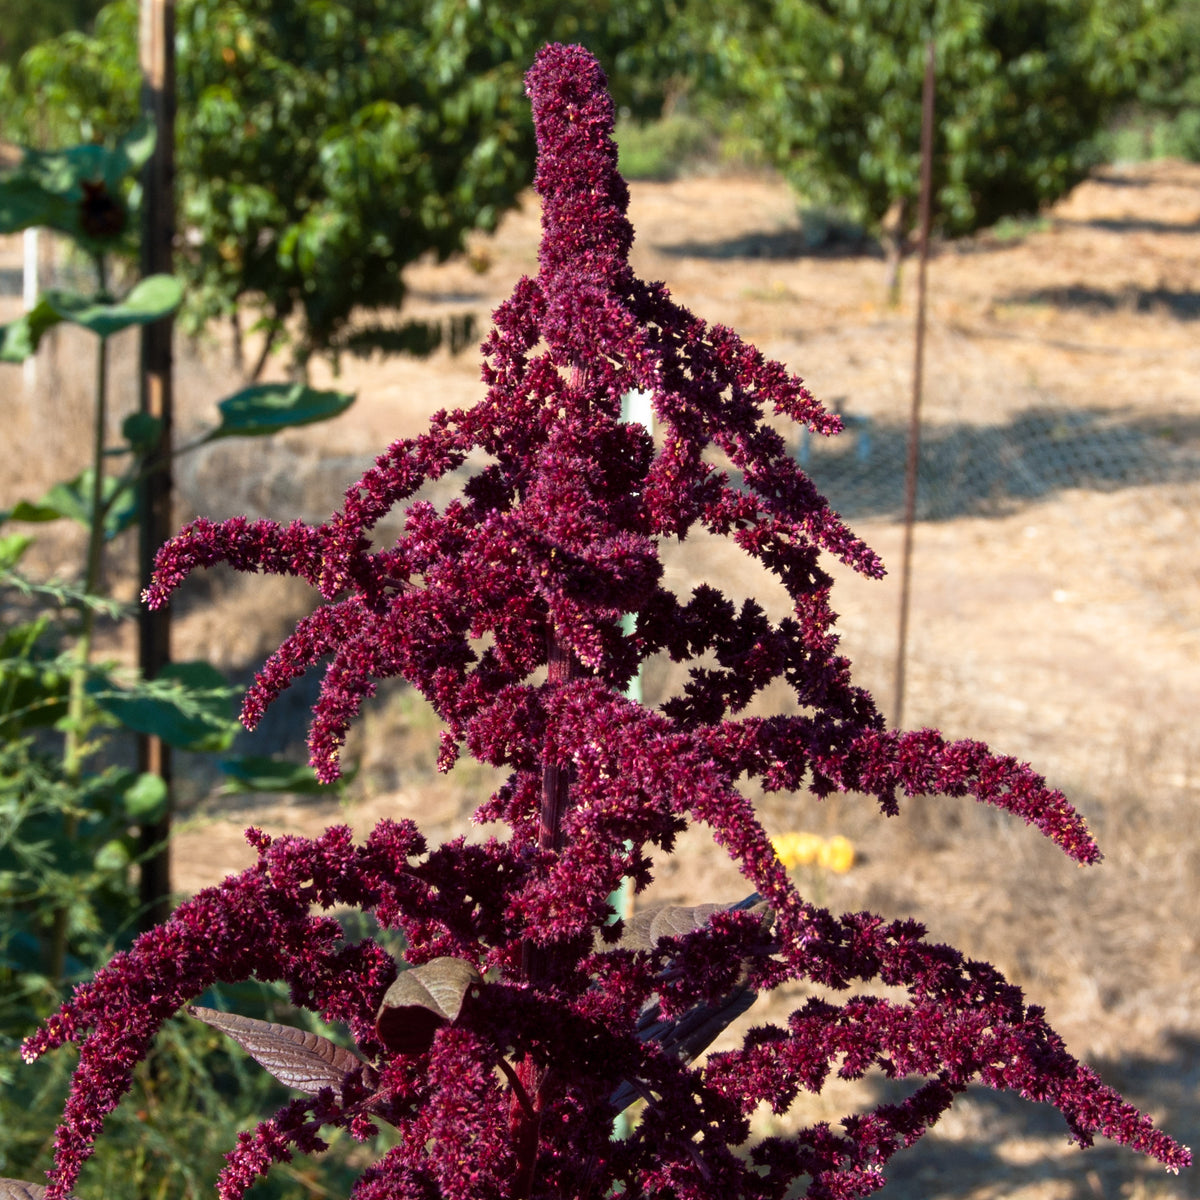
(969, 469)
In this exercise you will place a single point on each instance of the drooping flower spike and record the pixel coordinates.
(505, 609)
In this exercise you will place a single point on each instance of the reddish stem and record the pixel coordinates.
(561, 668)
(526, 1110)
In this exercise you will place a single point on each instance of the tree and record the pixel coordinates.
(832, 88)
(23, 24)
(1170, 90)
(323, 146)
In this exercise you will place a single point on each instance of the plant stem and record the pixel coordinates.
(268, 344)
(75, 744)
(562, 666)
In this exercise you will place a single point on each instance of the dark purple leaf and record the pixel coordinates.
(644, 929)
(685, 1037)
(20, 1189)
(298, 1059)
(422, 999)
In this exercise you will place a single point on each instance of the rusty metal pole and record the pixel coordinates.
(155, 398)
(914, 424)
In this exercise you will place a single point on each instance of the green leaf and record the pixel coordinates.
(25, 510)
(151, 299)
(132, 153)
(73, 498)
(254, 773)
(60, 189)
(19, 339)
(12, 549)
(142, 431)
(33, 683)
(145, 800)
(188, 706)
(269, 407)
(112, 856)
(24, 204)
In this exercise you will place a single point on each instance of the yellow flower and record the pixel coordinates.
(837, 855)
(796, 849)
(782, 844)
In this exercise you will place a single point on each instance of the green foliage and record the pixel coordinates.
(324, 145)
(73, 815)
(1171, 86)
(81, 191)
(1165, 121)
(24, 24)
(660, 149)
(190, 1099)
(833, 90)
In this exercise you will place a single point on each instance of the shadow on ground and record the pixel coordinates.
(817, 237)
(999, 1156)
(1183, 305)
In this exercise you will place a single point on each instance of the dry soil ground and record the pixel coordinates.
(1055, 603)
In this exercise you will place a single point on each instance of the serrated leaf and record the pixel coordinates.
(150, 299)
(298, 1059)
(421, 1000)
(21, 1189)
(267, 408)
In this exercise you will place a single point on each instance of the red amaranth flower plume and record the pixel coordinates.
(508, 610)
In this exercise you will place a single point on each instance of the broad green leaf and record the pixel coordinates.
(142, 431)
(145, 800)
(254, 773)
(269, 407)
(73, 498)
(151, 299)
(188, 706)
(19, 339)
(58, 189)
(25, 205)
(25, 510)
(132, 152)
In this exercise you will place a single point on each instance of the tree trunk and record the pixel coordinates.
(894, 232)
